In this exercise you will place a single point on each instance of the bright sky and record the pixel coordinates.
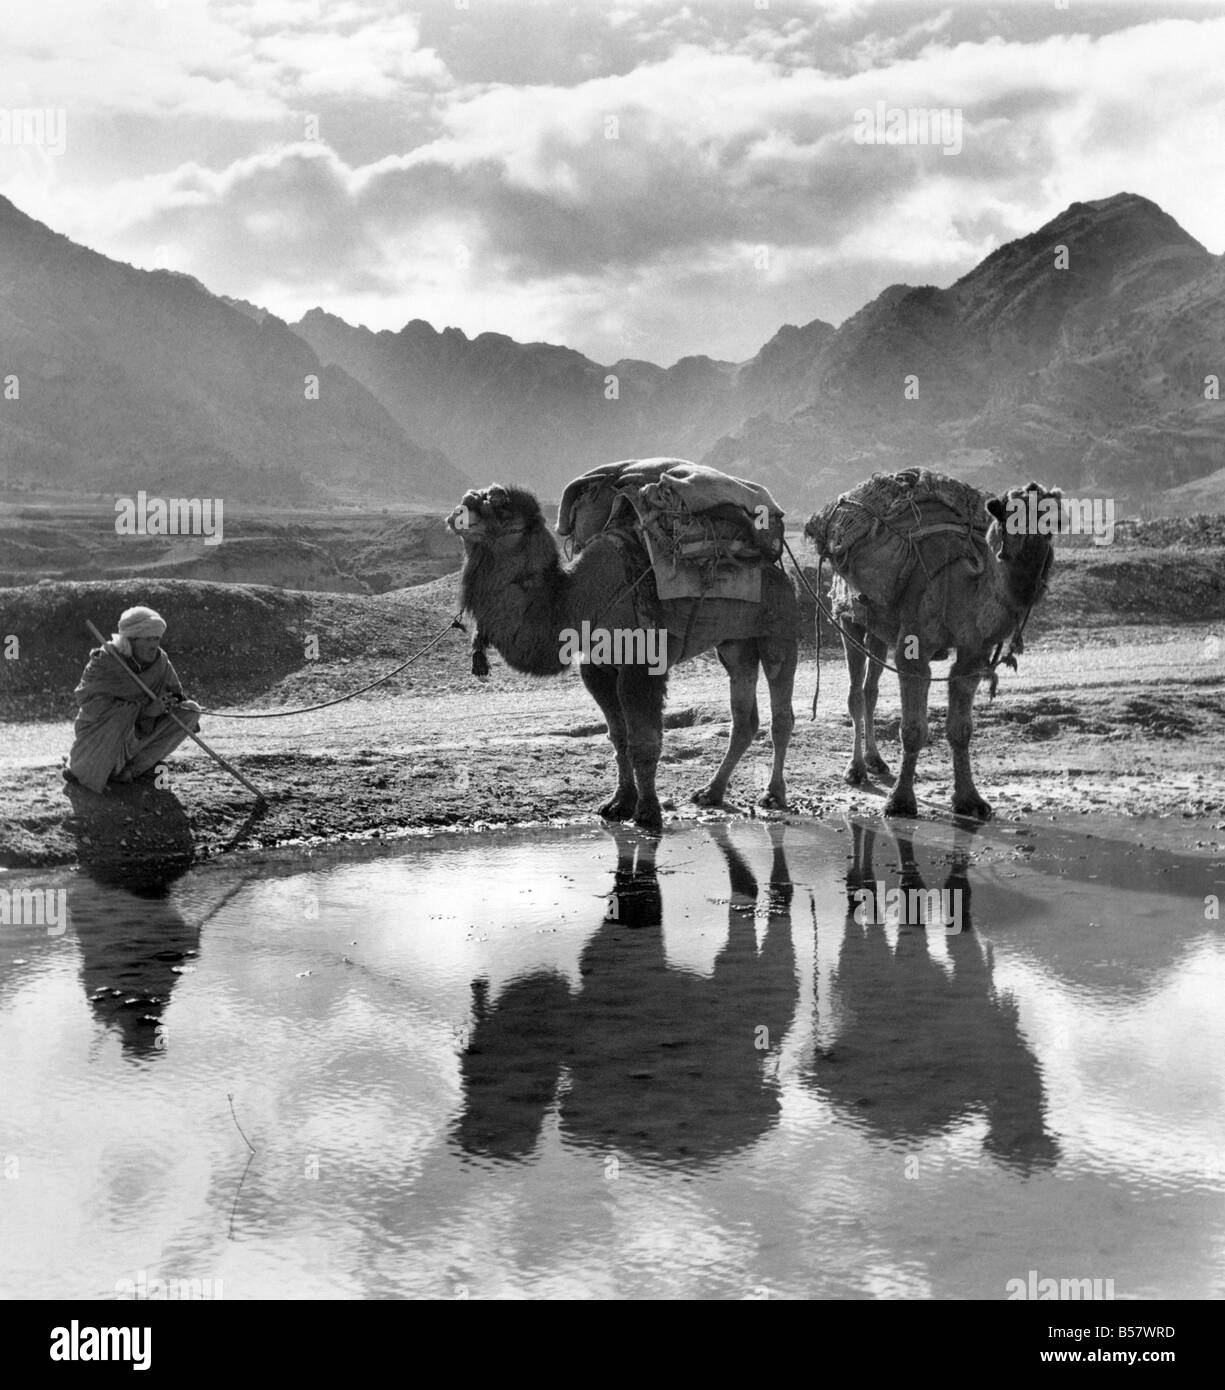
(645, 178)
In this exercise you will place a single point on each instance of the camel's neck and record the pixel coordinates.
(518, 599)
(1024, 572)
(1017, 584)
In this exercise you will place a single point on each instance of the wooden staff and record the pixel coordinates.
(212, 753)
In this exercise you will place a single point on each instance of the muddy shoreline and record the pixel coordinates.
(1132, 726)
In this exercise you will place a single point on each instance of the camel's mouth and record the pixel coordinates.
(467, 521)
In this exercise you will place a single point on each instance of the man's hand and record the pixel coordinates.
(156, 707)
(190, 706)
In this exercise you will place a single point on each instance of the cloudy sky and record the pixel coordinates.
(637, 178)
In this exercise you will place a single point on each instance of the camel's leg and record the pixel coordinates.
(781, 888)
(871, 688)
(480, 662)
(601, 682)
(963, 682)
(856, 770)
(910, 880)
(914, 677)
(642, 705)
(779, 660)
(861, 874)
(957, 885)
(739, 658)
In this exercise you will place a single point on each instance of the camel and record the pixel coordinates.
(525, 602)
(955, 599)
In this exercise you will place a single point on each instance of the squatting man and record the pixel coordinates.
(121, 734)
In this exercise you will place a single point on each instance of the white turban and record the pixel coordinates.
(137, 622)
(141, 622)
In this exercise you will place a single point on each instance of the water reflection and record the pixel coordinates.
(136, 836)
(389, 1165)
(643, 1058)
(133, 842)
(919, 1047)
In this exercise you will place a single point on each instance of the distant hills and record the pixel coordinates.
(1091, 376)
(130, 379)
(540, 414)
(1077, 354)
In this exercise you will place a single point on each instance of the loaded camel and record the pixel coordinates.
(524, 600)
(969, 588)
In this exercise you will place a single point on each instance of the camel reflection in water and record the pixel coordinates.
(920, 1048)
(659, 1062)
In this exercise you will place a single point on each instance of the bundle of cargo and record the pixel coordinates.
(711, 541)
(706, 533)
(876, 535)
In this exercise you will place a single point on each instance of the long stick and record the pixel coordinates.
(255, 791)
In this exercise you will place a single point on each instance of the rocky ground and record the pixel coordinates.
(1102, 718)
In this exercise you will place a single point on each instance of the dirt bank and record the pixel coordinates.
(1127, 721)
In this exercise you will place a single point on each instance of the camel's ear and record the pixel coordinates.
(996, 508)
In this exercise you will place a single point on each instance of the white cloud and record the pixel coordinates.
(727, 137)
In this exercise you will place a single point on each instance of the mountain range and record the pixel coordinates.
(1078, 355)
(114, 379)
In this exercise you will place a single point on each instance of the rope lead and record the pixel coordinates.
(340, 699)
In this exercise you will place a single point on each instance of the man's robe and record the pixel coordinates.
(109, 727)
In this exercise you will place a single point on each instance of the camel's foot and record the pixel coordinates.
(707, 796)
(772, 800)
(856, 773)
(649, 816)
(875, 763)
(971, 805)
(901, 803)
(622, 805)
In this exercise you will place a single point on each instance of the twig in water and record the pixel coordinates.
(238, 1194)
(250, 1160)
(237, 1126)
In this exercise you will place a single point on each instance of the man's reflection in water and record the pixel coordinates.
(921, 1048)
(132, 846)
(659, 1062)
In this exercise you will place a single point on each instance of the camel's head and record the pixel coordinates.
(1025, 521)
(496, 514)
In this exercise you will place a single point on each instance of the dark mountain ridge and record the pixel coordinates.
(126, 379)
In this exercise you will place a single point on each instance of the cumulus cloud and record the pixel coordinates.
(611, 177)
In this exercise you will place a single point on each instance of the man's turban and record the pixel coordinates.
(141, 622)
